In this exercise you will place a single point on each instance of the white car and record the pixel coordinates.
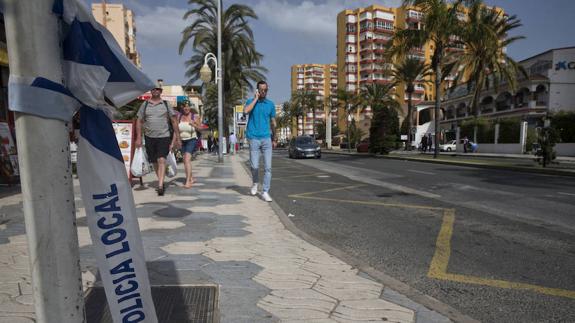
(449, 146)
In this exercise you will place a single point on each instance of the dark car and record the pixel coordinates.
(304, 147)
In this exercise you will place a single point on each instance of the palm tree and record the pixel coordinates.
(294, 111)
(484, 62)
(349, 101)
(240, 63)
(308, 101)
(440, 26)
(408, 72)
(380, 97)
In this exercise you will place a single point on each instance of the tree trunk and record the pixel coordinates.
(437, 102)
(409, 102)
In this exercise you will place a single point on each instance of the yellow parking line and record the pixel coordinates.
(304, 175)
(302, 195)
(314, 182)
(406, 206)
(440, 261)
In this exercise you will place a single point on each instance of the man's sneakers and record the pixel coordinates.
(266, 197)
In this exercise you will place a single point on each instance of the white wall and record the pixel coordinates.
(566, 149)
(499, 148)
(562, 92)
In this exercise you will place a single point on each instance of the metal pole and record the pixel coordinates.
(220, 88)
(45, 169)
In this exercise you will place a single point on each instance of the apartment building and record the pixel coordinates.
(362, 35)
(318, 78)
(119, 20)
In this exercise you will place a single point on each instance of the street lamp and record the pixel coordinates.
(206, 76)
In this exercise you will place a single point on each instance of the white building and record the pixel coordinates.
(550, 87)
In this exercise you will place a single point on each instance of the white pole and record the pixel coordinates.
(220, 88)
(328, 128)
(45, 169)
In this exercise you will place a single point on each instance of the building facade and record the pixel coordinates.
(320, 79)
(548, 87)
(120, 21)
(362, 35)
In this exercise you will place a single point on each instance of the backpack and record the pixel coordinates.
(170, 126)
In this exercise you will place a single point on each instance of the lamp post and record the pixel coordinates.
(206, 76)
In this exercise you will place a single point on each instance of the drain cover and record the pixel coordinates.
(195, 304)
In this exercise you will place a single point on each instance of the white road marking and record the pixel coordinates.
(323, 176)
(421, 172)
(563, 193)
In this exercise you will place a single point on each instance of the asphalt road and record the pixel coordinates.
(498, 246)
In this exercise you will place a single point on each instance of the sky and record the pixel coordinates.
(290, 32)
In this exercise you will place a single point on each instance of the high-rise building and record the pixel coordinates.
(119, 20)
(320, 79)
(362, 35)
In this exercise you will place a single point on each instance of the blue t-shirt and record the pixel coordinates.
(259, 119)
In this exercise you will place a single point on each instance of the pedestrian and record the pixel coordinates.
(429, 141)
(423, 144)
(210, 143)
(158, 123)
(188, 124)
(260, 132)
(233, 141)
(465, 144)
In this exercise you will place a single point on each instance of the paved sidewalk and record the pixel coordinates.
(217, 234)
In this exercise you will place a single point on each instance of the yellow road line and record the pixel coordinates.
(304, 175)
(302, 195)
(315, 182)
(406, 206)
(440, 261)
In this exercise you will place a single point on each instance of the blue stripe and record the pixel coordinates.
(96, 127)
(85, 44)
(58, 7)
(44, 83)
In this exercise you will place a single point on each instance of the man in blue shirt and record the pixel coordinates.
(260, 133)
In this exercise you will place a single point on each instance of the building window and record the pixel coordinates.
(350, 28)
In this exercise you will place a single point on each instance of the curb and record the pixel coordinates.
(377, 275)
(542, 171)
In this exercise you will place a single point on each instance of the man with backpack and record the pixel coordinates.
(160, 128)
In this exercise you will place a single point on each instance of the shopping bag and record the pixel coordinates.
(140, 165)
(172, 165)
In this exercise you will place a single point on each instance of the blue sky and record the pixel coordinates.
(304, 31)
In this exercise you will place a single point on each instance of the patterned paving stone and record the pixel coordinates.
(375, 310)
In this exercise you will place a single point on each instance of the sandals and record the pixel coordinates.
(161, 190)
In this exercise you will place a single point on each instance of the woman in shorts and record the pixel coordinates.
(188, 123)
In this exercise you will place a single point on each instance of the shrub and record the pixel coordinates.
(564, 124)
(509, 130)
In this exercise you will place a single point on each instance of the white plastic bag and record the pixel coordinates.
(172, 165)
(140, 165)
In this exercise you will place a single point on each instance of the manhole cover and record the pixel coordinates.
(195, 304)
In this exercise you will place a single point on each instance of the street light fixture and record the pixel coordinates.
(206, 76)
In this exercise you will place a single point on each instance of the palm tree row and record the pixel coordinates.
(483, 34)
(240, 62)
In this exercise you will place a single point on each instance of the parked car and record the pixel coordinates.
(304, 147)
(363, 146)
(449, 146)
